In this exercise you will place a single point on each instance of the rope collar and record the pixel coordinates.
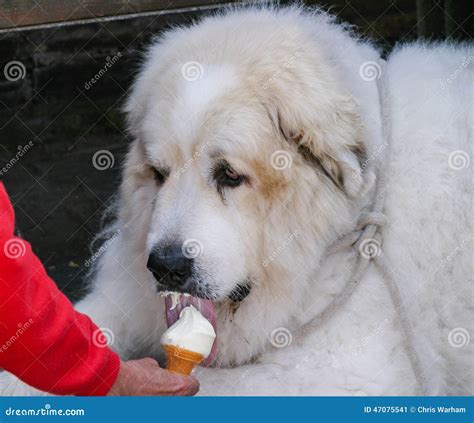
(366, 241)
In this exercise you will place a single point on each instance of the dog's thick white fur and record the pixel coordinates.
(284, 97)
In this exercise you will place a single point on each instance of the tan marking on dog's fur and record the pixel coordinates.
(271, 183)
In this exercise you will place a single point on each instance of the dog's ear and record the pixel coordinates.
(331, 137)
(135, 171)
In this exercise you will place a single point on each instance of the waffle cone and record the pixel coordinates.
(180, 360)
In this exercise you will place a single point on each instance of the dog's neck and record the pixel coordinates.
(247, 329)
(289, 298)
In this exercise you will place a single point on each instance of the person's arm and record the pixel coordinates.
(43, 340)
(49, 345)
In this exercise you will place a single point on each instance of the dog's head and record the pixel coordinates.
(246, 162)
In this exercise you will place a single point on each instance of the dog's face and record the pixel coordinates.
(235, 182)
(205, 225)
(211, 184)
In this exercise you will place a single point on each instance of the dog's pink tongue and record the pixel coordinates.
(206, 307)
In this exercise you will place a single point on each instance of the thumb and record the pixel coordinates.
(183, 384)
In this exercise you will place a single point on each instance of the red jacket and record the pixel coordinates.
(43, 340)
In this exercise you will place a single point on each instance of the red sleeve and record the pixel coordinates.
(43, 340)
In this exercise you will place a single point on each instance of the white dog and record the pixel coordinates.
(257, 134)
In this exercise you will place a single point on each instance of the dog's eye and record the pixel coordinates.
(225, 176)
(232, 176)
(159, 175)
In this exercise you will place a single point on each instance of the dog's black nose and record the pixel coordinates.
(169, 265)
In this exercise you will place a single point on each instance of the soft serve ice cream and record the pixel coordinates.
(188, 341)
(192, 331)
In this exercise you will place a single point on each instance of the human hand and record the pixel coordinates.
(145, 377)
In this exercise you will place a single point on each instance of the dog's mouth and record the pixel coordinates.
(176, 301)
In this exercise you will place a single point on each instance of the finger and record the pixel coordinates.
(193, 386)
(188, 386)
(148, 361)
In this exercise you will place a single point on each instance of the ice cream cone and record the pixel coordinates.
(180, 360)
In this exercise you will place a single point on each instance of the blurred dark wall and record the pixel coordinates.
(65, 107)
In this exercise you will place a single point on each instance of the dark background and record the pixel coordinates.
(58, 195)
